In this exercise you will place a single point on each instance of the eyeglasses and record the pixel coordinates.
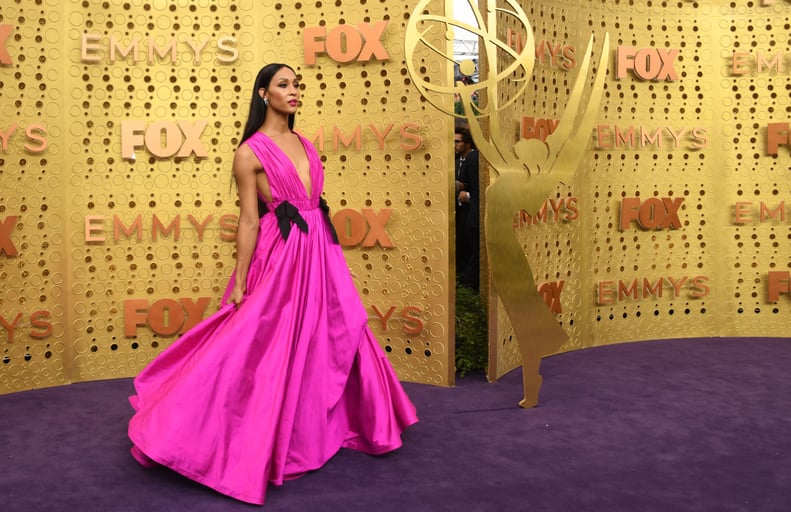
(458, 141)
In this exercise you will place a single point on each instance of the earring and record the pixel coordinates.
(266, 102)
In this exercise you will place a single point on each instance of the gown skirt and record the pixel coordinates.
(270, 390)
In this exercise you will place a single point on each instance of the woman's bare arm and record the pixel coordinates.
(245, 168)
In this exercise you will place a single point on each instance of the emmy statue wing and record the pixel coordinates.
(577, 121)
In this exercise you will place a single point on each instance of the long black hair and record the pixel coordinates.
(257, 113)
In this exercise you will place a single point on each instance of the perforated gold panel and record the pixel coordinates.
(150, 254)
(678, 226)
(123, 224)
(34, 347)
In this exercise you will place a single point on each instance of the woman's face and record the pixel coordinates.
(283, 92)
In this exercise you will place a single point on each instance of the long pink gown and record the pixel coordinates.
(274, 389)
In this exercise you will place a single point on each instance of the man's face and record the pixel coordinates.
(459, 145)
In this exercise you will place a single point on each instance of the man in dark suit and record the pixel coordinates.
(467, 210)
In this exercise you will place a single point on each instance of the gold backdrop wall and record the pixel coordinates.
(675, 225)
(117, 210)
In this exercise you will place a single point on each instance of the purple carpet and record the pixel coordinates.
(685, 425)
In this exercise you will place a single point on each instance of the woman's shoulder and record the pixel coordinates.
(257, 144)
(245, 156)
(255, 137)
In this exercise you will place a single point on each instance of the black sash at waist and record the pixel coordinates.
(288, 214)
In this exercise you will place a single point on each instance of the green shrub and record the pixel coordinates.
(472, 340)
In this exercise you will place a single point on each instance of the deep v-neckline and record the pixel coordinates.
(307, 188)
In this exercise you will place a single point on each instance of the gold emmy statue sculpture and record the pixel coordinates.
(524, 174)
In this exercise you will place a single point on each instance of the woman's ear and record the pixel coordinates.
(261, 92)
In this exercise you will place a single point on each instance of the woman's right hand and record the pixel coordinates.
(237, 295)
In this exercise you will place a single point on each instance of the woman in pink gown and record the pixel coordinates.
(287, 372)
